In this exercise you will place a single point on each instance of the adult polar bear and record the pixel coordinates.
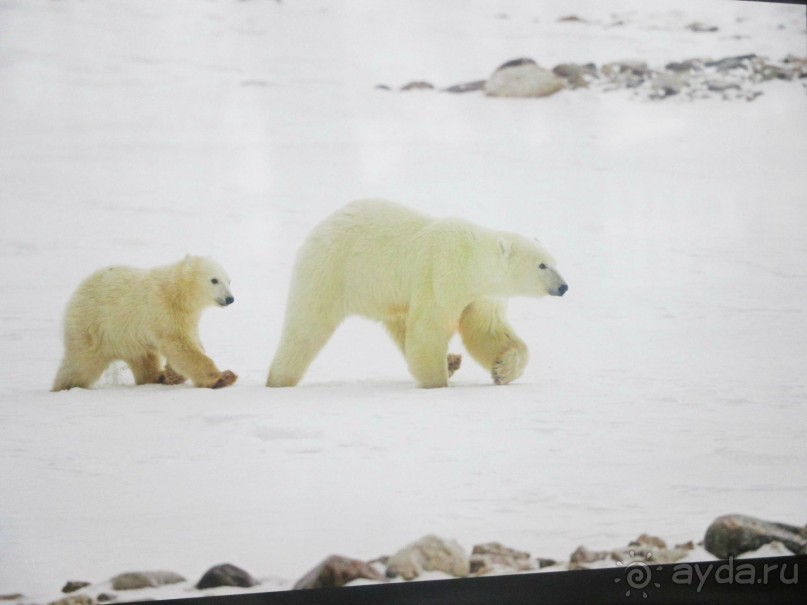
(423, 278)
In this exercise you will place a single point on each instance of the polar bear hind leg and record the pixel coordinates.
(492, 342)
(302, 340)
(80, 370)
(145, 368)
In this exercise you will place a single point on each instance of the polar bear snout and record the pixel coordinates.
(560, 291)
(226, 301)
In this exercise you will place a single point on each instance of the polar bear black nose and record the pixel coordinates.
(229, 300)
(562, 290)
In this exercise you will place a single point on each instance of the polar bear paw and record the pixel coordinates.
(454, 362)
(225, 379)
(170, 376)
(509, 365)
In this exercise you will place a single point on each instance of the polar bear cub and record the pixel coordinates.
(141, 316)
(423, 278)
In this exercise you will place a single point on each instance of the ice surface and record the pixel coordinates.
(668, 387)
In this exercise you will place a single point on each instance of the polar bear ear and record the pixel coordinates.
(505, 246)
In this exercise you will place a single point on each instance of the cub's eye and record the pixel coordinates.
(214, 281)
(542, 266)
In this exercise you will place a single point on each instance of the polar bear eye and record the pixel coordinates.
(214, 281)
(542, 266)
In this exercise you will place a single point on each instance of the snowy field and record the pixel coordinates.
(666, 388)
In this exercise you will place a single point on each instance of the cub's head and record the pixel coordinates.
(210, 280)
(531, 270)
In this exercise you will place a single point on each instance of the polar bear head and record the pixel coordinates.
(210, 281)
(530, 270)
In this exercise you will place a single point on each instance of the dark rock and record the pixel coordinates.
(649, 549)
(382, 87)
(486, 557)
(430, 553)
(584, 556)
(545, 562)
(467, 87)
(797, 66)
(145, 579)
(732, 535)
(719, 85)
(495, 549)
(684, 66)
(729, 63)
(516, 63)
(767, 72)
(13, 596)
(648, 540)
(634, 68)
(336, 571)
(106, 597)
(73, 586)
(226, 575)
(418, 85)
(571, 19)
(702, 27)
(577, 76)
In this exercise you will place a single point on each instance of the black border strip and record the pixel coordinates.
(763, 581)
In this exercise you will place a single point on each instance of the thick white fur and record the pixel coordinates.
(141, 316)
(423, 278)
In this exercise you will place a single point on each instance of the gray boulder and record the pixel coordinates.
(145, 579)
(732, 535)
(522, 78)
(576, 76)
(487, 557)
(430, 553)
(226, 575)
(336, 571)
(73, 586)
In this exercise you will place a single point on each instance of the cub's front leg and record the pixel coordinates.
(185, 358)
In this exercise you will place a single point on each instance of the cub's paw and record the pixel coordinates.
(509, 365)
(454, 362)
(170, 376)
(225, 379)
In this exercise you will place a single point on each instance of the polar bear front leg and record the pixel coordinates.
(492, 342)
(426, 348)
(187, 359)
(397, 330)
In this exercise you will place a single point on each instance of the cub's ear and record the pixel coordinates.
(505, 247)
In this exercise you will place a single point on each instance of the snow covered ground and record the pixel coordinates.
(666, 388)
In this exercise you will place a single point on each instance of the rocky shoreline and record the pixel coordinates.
(729, 78)
(726, 537)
